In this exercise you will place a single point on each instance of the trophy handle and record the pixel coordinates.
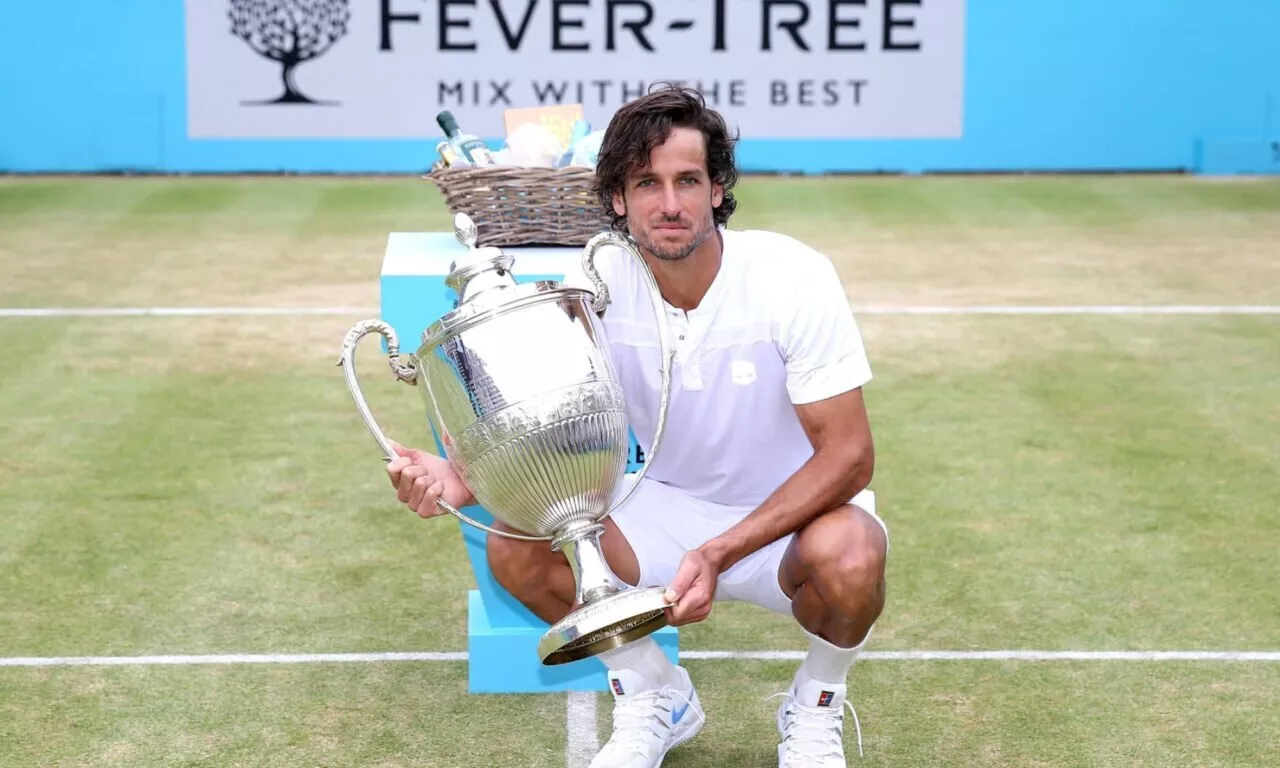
(599, 304)
(409, 375)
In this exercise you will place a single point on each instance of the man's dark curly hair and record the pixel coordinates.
(640, 125)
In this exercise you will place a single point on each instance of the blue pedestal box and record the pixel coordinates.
(502, 635)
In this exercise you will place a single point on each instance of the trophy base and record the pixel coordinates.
(604, 624)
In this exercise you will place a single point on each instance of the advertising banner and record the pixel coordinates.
(383, 69)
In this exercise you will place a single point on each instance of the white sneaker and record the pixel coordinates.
(648, 721)
(811, 723)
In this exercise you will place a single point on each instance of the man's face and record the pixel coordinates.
(669, 204)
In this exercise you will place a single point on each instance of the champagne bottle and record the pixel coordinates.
(470, 150)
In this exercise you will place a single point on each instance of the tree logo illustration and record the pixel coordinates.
(290, 33)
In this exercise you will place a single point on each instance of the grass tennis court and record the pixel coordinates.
(204, 485)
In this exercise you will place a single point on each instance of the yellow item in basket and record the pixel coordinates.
(533, 146)
(557, 118)
(448, 157)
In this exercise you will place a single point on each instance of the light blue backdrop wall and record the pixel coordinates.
(87, 85)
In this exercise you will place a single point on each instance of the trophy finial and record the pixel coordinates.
(464, 229)
(476, 261)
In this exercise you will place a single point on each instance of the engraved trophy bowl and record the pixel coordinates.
(518, 384)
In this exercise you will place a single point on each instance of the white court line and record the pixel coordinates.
(583, 740)
(228, 658)
(1010, 655)
(1065, 309)
(322, 658)
(180, 311)
(1077, 309)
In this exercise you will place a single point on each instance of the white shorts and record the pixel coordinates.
(662, 523)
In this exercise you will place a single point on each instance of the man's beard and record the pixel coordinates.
(678, 252)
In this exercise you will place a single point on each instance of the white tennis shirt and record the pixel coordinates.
(774, 330)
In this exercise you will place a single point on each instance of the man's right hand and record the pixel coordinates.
(421, 478)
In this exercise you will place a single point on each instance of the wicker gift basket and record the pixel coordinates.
(516, 205)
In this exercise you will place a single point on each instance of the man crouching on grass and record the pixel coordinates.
(761, 490)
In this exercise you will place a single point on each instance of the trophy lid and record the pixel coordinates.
(480, 268)
(484, 284)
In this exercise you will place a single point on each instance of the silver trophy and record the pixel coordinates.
(519, 386)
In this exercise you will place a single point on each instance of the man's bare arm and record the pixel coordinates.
(842, 465)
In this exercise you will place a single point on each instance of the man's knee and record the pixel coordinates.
(516, 563)
(531, 572)
(844, 553)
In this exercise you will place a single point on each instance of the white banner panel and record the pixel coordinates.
(374, 69)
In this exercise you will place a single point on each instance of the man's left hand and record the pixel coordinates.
(693, 589)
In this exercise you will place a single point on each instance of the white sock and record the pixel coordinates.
(827, 663)
(646, 659)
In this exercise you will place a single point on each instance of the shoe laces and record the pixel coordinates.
(814, 733)
(641, 718)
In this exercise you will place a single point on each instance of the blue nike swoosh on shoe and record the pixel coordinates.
(678, 714)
